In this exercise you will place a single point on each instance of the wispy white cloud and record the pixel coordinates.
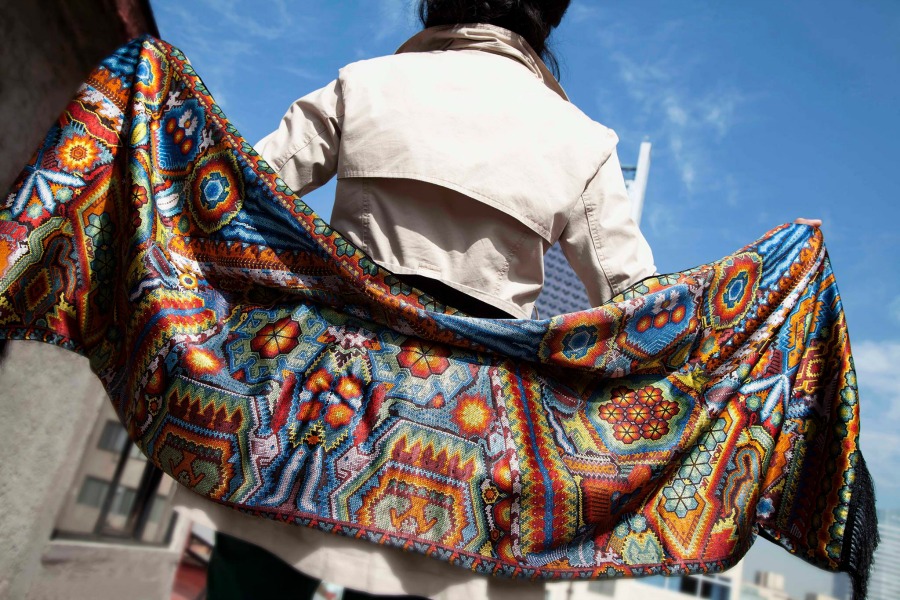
(396, 16)
(285, 19)
(212, 57)
(221, 58)
(876, 368)
(687, 121)
(670, 95)
(301, 72)
(582, 11)
(719, 110)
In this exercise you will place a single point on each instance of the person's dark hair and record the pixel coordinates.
(532, 19)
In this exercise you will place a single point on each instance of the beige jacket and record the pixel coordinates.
(460, 158)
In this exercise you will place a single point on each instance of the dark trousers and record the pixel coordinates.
(239, 570)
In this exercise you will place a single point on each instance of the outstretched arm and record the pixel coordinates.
(601, 241)
(304, 148)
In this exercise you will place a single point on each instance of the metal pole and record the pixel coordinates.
(638, 187)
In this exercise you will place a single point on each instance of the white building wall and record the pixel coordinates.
(884, 583)
(50, 403)
(638, 589)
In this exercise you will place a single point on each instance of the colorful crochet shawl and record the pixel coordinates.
(259, 358)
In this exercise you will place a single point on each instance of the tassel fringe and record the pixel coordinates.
(861, 535)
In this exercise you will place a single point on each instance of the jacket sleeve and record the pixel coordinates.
(304, 149)
(601, 241)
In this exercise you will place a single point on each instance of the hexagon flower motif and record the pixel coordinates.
(622, 396)
(680, 498)
(665, 410)
(649, 395)
(654, 429)
(637, 413)
(716, 435)
(100, 229)
(626, 432)
(423, 359)
(276, 338)
(696, 466)
(611, 414)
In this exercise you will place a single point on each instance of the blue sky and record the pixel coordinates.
(758, 113)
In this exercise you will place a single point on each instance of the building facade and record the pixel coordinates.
(884, 583)
(719, 586)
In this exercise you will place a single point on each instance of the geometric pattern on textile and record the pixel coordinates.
(733, 290)
(646, 416)
(260, 359)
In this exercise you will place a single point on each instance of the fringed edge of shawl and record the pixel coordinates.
(861, 534)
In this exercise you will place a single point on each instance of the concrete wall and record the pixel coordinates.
(72, 570)
(49, 399)
(49, 403)
(48, 47)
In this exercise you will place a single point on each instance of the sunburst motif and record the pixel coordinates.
(78, 153)
(203, 361)
(471, 415)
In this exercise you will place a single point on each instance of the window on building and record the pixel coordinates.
(113, 437)
(123, 501)
(689, 586)
(604, 587)
(715, 590)
(656, 581)
(118, 494)
(713, 587)
(92, 492)
(157, 509)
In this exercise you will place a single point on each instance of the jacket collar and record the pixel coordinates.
(486, 38)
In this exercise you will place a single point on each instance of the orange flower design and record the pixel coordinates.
(78, 153)
(654, 429)
(638, 414)
(338, 415)
(472, 415)
(665, 410)
(276, 338)
(611, 413)
(626, 432)
(330, 403)
(649, 395)
(309, 411)
(423, 360)
(622, 396)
